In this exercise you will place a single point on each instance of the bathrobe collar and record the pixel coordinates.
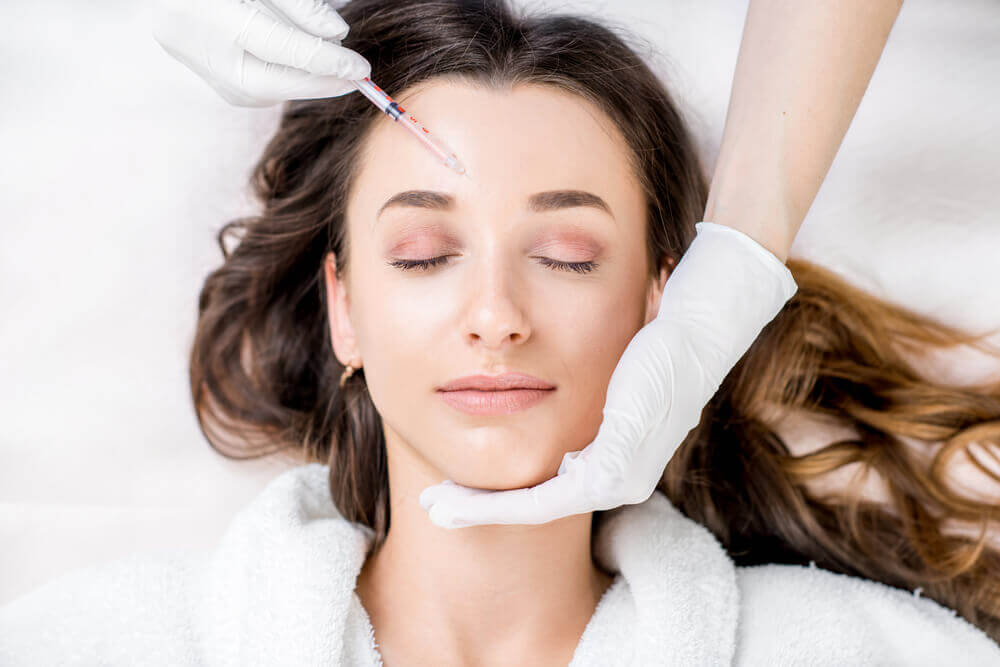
(281, 583)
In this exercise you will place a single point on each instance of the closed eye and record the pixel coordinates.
(425, 264)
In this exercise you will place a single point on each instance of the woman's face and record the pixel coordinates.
(548, 180)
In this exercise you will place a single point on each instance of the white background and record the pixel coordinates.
(119, 166)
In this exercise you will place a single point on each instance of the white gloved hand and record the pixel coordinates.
(257, 52)
(724, 290)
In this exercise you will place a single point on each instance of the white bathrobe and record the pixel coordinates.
(279, 590)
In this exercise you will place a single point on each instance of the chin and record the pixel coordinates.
(519, 475)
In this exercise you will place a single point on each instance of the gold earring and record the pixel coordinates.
(348, 372)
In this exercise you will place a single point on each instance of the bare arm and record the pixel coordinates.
(802, 69)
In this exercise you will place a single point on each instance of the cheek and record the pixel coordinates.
(598, 333)
(590, 325)
(390, 328)
(594, 341)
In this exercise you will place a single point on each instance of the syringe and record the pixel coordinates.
(397, 113)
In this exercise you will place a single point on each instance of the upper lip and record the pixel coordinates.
(502, 382)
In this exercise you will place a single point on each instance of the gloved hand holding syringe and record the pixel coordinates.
(263, 52)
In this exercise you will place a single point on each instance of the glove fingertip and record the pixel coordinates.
(323, 88)
(356, 68)
(441, 516)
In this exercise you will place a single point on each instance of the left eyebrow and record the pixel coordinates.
(540, 202)
(557, 199)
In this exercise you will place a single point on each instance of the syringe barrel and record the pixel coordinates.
(397, 113)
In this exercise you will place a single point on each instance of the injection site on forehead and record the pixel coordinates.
(503, 134)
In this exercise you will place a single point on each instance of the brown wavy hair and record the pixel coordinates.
(264, 377)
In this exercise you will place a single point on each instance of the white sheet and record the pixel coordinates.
(121, 165)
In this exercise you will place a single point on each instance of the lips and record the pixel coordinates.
(504, 382)
(495, 394)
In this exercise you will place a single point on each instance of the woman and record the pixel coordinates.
(543, 262)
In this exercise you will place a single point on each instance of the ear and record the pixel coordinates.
(345, 345)
(656, 290)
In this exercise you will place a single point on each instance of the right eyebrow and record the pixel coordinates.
(429, 199)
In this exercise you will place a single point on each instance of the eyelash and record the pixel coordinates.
(425, 264)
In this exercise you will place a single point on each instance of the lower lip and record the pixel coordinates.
(475, 402)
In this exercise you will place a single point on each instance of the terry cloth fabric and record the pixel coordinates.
(279, 590)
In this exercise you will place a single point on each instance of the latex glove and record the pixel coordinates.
(724, 290)
(260, 52)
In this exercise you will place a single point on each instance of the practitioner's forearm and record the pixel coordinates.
(802, 70)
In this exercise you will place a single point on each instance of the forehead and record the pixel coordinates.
(514, 142)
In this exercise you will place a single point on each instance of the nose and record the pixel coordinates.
(496, 313)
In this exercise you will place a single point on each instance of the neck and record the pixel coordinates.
(479, 592)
